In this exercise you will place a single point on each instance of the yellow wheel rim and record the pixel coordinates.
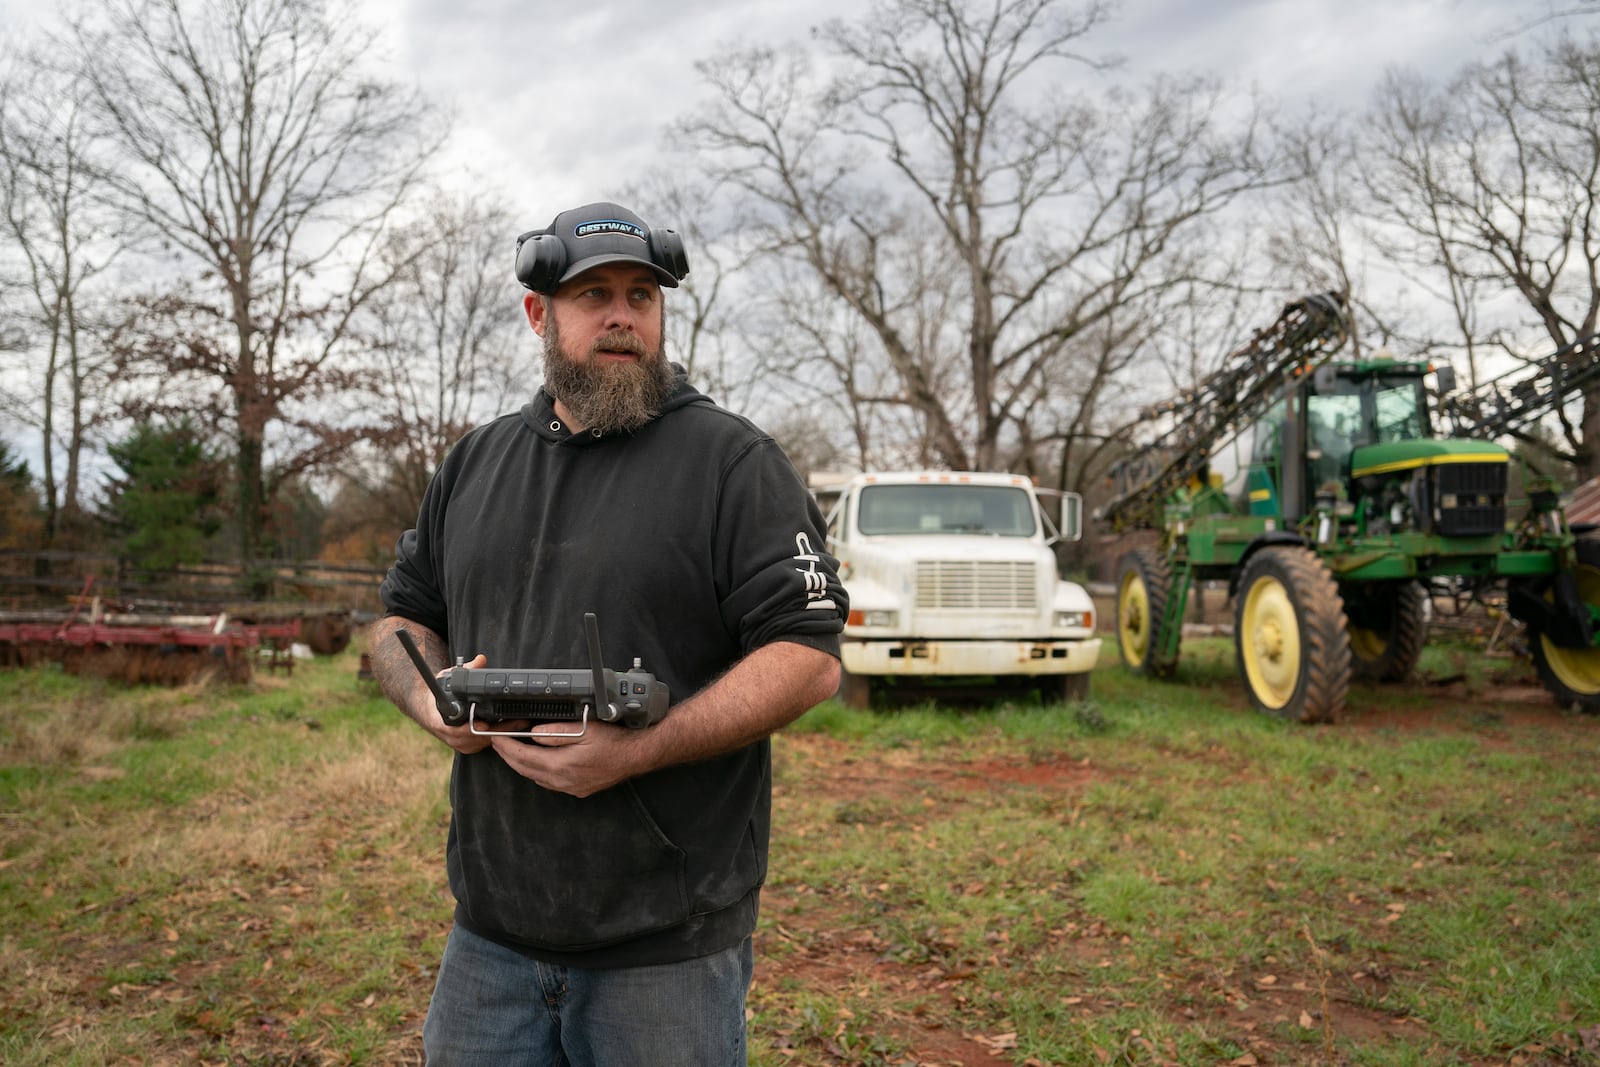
(1133, 619)
(1367, 644)
(1577, 668)
(1269, 643)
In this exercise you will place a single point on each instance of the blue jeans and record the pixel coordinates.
(493, 1007)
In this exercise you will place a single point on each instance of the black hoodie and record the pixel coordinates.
(695, 542)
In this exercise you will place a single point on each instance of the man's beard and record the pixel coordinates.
(607, 395)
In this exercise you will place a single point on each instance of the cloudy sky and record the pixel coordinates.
(559, 107)
(559, 101)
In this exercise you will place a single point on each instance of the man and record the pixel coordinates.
(607, 885)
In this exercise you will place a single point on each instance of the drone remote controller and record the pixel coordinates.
(474, 695)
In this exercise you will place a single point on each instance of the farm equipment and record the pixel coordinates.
(165, 651)
(1320, 491)
(163, 648)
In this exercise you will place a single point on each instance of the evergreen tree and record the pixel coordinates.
(21, 511)
(167, 503)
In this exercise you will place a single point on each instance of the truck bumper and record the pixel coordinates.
(969, 657)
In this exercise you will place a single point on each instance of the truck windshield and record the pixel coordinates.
(992, 510)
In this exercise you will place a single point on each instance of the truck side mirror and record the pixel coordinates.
(1071, 517)
(1067, 523)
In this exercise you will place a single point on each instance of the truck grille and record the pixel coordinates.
(967, 584)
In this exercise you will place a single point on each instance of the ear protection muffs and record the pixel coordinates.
(666, 250)
(542, 258)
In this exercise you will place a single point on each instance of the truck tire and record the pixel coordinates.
(1063, 688)
(1388, 624)
(855, 690)
(1572, 675)
(1144, 582)
(1289, 632)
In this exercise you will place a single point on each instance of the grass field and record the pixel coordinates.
(254, 876)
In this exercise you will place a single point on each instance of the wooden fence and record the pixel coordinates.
(48, 581)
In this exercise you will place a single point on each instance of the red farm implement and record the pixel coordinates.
(170, 651)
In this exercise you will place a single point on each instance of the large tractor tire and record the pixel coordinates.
(1144, 582)
(1388, 624)
(1289, 627)
(1572, 675)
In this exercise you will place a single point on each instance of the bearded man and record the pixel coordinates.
(607, 884)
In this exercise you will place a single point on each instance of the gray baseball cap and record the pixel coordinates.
(592, 236)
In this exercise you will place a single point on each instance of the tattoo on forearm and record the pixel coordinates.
(397, 675)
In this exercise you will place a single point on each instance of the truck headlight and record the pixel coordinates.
(874, 618)
(1072, 620)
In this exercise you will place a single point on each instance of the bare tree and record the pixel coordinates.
(1406, 173)
(62, 239)
(1555, 12)
(813, 365)
(268, 163)
(954, 198)
(704, 333)
(1497, 177)
(452, 345)
(1320, 238)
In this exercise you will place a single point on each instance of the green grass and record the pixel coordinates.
(254, 875)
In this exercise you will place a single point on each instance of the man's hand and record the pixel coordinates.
(461, 738)
(761, 693)
(580, 766)
(398, 678)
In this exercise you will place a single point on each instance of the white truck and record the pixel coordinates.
(952, 578)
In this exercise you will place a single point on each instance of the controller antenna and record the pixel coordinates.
(449, 710)
(604, 710)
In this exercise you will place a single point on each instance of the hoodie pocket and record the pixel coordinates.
(572, 874)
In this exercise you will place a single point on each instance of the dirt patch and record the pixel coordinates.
(897, 774)
(1454, 705)
(832, 962)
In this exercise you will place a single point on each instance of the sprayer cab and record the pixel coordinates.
(1355, 441)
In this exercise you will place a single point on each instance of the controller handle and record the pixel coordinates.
(450, 711)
